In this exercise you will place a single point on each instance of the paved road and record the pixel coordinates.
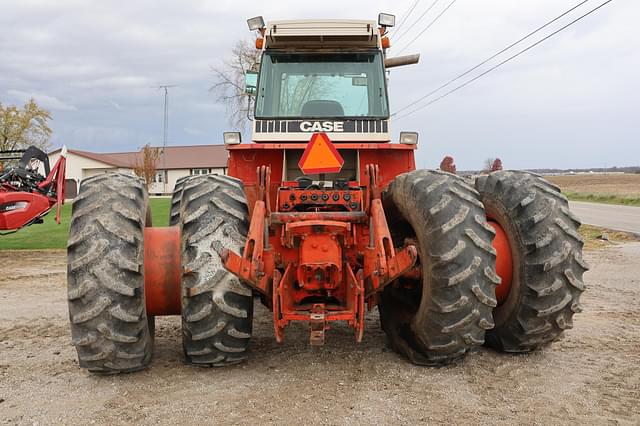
(621, 218)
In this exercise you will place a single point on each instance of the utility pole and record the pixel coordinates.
(165, 131)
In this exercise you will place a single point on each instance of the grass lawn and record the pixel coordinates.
(600, 198)
(50, 235)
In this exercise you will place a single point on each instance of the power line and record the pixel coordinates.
(491, 57)
(428, 26)
(417, 20)
(405, 16)
(505, 61)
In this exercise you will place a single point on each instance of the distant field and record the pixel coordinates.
(611, 189)
(50, 235)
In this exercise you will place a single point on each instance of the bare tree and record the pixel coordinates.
(229, 85)
(447, 165)
(491, 165)
(229, 81)
(146, 164)
(296, 90)
(488, 162)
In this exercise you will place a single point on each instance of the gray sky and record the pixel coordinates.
(570, 102)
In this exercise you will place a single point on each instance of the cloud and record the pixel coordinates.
(193, 132)
(96, 66)
(46, 101)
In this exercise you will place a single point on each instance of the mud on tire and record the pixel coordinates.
(109, 324)
(437, 320)
(217, 309)
(547, 258)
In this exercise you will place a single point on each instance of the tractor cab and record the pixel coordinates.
(331, 87)
(320, 76)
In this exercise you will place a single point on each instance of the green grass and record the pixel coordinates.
(592, 237)
(50, 235)
(160, 208)
(604, 199)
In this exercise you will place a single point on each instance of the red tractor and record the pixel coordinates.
(323, 217)
(30, 189)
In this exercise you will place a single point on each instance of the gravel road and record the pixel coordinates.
(590, 377)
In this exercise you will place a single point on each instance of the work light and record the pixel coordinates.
(409, 138)
(255, 23)
(386, 20)
(232, 138)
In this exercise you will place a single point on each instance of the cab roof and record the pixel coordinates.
(317, 33)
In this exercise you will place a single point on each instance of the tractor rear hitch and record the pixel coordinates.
(319, 269)
(317, 324)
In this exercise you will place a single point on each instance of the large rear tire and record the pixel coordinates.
(109, 324)
(217, 308)
(176, 201)
(438, 319)
(547, 260)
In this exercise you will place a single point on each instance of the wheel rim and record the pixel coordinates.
(504, 262)
(162, 270)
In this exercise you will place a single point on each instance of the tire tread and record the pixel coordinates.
(455, 249)
(217, 309)
(551, 248)
(105, 275)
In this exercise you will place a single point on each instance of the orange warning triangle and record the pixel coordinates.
(320, 156)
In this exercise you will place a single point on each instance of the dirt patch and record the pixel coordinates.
(591, 376)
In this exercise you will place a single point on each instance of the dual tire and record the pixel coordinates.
(433, 321)
(453, 308)
(217, 308)
(445, 314)
(548, 266)
(109, 324)
(110, 328)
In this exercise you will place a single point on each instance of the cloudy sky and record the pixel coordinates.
(573, 101)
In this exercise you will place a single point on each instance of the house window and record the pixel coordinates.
(159, 177)
(199, 171)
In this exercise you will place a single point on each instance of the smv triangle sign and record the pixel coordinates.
(320, 156)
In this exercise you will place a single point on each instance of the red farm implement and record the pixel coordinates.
(29, 189)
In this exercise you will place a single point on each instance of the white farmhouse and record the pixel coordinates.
(175, 162)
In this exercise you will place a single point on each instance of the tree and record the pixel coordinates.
(447, 165)
(229, 82)
(146, 164)
(296, 90)
(492, 165)
(488, 163)
(22, 127)
(229, 85)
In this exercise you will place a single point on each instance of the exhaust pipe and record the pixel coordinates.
(400, 61)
